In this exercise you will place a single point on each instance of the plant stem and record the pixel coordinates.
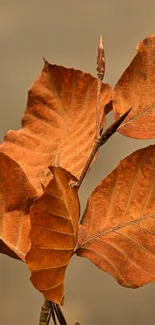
(104, 137)
(59, 314)
(45, 313)
(99, 84)
(101, 137)
(50, 309)
(88, 162)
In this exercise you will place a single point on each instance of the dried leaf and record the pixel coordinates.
(58, 127)
(118, 229)
(16, 197)
(54, 228)
(136, 89)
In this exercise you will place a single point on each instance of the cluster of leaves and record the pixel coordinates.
(39, 207)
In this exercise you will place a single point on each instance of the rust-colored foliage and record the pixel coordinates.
(136, 90)
(54, 229)
(16, 196)
(118, 228)
(39, 207)
(58, 124)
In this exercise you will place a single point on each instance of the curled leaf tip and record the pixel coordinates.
(46, 65)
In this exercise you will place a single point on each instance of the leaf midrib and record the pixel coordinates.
(117, 228)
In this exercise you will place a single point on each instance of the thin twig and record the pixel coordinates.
(49, 318)
(45, 313)
(50, 309)
(99, 84)
(100, 76)
(104, 137)
(59, 315)
(53, 314)
(88, 163)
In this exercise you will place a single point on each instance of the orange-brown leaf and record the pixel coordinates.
(136, 90)
(118, 230)
(58, 127)
(54, 228)
(16, 197)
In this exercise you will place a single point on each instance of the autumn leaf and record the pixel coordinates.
(54, 229)
(118, 228)
(136, 90)
(16, 197)
(58, 127)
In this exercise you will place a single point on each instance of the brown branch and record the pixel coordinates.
(104, 137)
(45, 313)
(99, 84)
(59, 314)
(50, 309)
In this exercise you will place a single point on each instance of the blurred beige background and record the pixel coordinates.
(66, 32)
